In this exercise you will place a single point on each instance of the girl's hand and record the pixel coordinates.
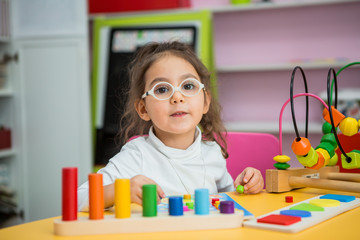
(136, 184)
(251, 179)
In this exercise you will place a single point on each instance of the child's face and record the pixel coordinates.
(178, 114)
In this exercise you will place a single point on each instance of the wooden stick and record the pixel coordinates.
(353, 177)
(296, 182)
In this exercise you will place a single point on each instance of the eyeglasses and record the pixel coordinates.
(163, 90)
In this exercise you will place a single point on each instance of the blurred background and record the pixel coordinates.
(63, 77)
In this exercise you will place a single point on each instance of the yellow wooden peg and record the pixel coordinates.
(281, 158)
(349, 126)
(122, 198)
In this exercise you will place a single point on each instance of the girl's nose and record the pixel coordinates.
(177, 97)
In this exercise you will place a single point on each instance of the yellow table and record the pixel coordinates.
(344, 226)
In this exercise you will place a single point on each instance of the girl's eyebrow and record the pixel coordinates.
(158, 79)
(188, 75)
(162, 79)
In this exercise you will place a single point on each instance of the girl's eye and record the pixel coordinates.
(161, 89)
(189, 86)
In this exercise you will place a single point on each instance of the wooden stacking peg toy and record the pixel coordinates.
(150, 220)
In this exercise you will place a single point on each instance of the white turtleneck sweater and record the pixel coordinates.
(176, 171)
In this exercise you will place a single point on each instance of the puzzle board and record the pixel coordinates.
(306, 222)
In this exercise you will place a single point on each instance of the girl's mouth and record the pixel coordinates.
(178, 114)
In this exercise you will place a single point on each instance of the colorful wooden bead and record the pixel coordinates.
(325, 154)
(349, 126)
(328, 147)
(359, 123)
(216, 204)
(301, 146)
(329, 138)
(337, 116)
(308, 160)
(326, 128)
(320, 163)
(355, 160)
(333, 161)
(240, 189)
(190, 205)
(213, 200)
(281, 158)
(187, 196)
(281, 166)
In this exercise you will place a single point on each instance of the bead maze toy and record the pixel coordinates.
(177, 218)
(319, 162)
(305, 214)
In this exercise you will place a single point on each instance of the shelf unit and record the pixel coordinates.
(275, 5)
(45, 102)
(262, 43)
(7, 153)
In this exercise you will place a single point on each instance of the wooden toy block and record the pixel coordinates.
(316, 216)
(137, 223)
(286, 180)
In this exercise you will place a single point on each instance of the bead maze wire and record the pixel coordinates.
(283, 108)
(330, 85)
(332, 72)
(292, 102)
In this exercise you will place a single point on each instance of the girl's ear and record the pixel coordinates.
(207, 101)
(141, 110)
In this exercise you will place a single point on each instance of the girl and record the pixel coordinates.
(169, 99)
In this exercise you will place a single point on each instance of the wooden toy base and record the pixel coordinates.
(305, 222)
(137, 223)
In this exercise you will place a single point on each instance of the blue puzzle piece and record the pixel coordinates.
(296, 213)
(341, 198)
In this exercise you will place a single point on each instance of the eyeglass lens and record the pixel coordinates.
(188, 88)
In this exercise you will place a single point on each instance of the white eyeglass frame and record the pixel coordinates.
(175, 89)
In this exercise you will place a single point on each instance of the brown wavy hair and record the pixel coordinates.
(131, 124)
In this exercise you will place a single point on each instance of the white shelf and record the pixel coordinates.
(230, 8)
(281, 66)
(7, 153)
(272, 5)
(6, 92)
(270, 127)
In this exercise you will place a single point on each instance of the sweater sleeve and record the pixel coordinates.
(126, 164)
